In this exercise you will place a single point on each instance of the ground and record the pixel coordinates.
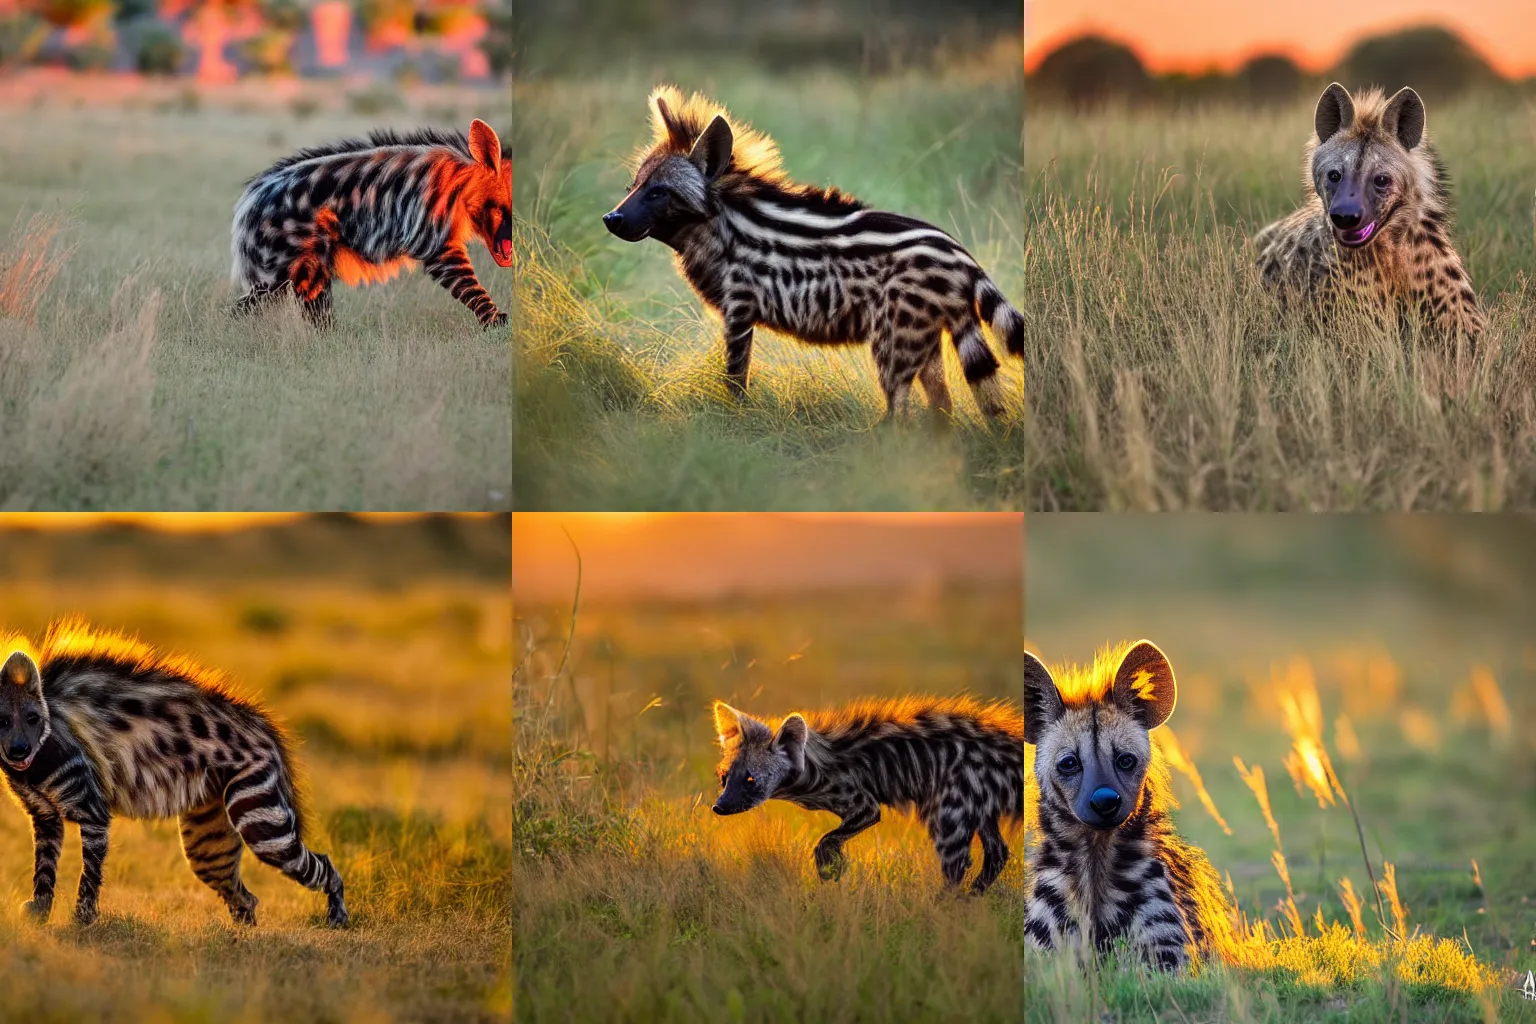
(1163, 376)
(398, 696)
(621, 402)
(123, 384)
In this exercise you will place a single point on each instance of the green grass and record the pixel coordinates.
(123, 384)
(398, 697)
(628, 890)
(620, 401)
(1391, 618)
(1161, 373)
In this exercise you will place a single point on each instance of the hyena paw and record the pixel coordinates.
(85, 914)
(830, 864)
(37, 909)
(499, 320)
(242, 909)
(336, 915)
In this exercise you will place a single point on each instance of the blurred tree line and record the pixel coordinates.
(149, 36)
(1092, 70)
(564, 36)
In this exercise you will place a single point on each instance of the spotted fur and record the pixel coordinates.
(813, 263)
(957, 762)
(1107, 864)
(1375, 230)
(362, 210)
(94, 725)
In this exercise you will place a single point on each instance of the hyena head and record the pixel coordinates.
(488, 195)
(23, 712)
(1368, 161)
(672, 183)
(1091, 744)
(758, 758)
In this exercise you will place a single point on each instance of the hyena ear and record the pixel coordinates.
(1335, 110)
(791, 740)
(484, 146)
(676, 132)
(21, 670)
(727, 722)
(1144, 684)
(1404, 118)
(712, 152)
(1042, 701)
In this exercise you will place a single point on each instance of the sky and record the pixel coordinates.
(1188, 35)
(700, 555)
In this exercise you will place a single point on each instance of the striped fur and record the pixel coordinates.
(1374, 231)
(1107, 864)
(362, 210)
(816, 264)
(94, 725)
(957, 762)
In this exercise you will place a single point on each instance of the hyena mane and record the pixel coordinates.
(1375, 227)
(94, 724)
(813, 263)
(360, 211)
(957, 762)
(1106, 863)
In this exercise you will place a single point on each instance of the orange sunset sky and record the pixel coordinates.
(1189, 35)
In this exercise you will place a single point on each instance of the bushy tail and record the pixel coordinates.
(1006, 322)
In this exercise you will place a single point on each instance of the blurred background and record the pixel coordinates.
(1401, 643)
(384, 644)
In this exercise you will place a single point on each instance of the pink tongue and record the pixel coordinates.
(506, 249)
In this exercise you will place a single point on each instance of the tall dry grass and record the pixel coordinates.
(1163, 375)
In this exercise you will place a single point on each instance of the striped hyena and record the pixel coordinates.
(97, 725)
(958, 762)
(813, 263)
(1375, 228)
(1108, 863)
(362, 210)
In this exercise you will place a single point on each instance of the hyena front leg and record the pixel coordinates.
(268, 825)
(451, 269)
(994, 855)
(830, 861)
(213, 850)
(309, 272)
(951, 830)
(738, 352)
(93, 856)
(47, 841)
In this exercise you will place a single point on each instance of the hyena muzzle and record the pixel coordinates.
(1108, 865)
(362, 210)
(814, 264)
(958, 762)
(100, 726)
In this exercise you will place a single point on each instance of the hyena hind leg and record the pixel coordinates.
(994, 856)
(934, 385)
(258, 298)
(213, 850)
(898, 358)
(269, 826)
(951, 833)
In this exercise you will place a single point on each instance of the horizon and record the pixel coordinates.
(1202, 35)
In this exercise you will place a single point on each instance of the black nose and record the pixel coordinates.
(717, 809)
(613, 220)
(17, 751)
(1105, 801)
(1345, 219)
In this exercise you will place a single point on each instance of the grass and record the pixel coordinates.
(627, 889)
(123, 384)
(398, 697)
(1163, 376)
(1408, 639)
(620, 401)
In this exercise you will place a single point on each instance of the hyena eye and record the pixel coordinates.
(654, 192)
(1382, 181)
(1125, 762)
(1069, 765)
(33, 719)
(751, 781)
(1334, 176)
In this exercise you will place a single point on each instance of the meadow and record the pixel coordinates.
(398, 697)
(124, 384)
(633, 902)
(1399, 650)
(1163, 376)
(619, 395)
